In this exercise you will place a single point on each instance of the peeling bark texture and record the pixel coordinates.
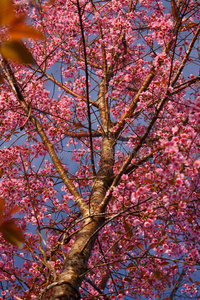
(69, 279)
(104, 174)
(76, 264)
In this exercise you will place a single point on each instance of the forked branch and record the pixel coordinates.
(49, 147)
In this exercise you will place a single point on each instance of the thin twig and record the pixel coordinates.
(49, 147)
(87, 89)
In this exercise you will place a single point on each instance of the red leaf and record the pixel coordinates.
(153, 245)
(12, 233)
(131, 266)
(147, 180)
(19, 30)
(17, 52)
(128, 230)
(2, 204)
(164, 263)
(7, 14)
(140, 246)
(157, 274)
(13, 210)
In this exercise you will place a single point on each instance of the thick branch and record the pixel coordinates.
(135, 150)
(107, 272)
(49, 147)
(144, 87)
(133, 104)
(66, 89)
(82, 133)
(154, 118)
(134, 166)
(76, 263)
(177, 285)
(78, 58)
(196, 34)
(185, 85)
(96, 288)
(152, 122)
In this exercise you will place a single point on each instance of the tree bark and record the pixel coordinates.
(70, 279)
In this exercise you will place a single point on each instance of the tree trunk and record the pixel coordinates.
(70, 278)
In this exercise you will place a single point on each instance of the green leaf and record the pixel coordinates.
(17, 52)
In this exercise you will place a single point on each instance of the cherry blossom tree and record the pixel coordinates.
(100, 152)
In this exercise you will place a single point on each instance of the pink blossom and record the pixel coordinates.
(100, 150)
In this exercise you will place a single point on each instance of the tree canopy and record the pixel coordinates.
(100, 149)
